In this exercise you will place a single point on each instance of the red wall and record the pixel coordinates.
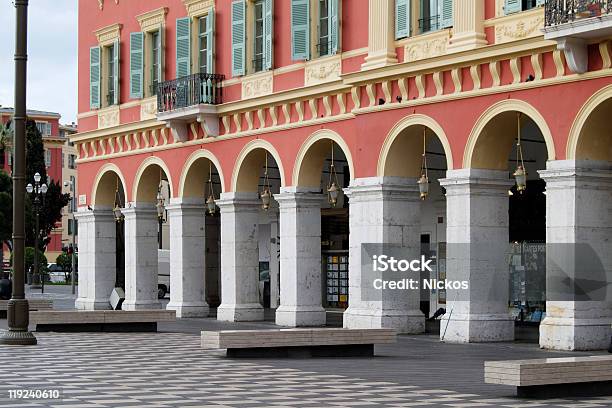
(91, 18)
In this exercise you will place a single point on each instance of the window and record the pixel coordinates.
(155, 61)
(104, 75)
(72, 161)
(47, 158)
(254, 16)
(316, 34)
(323, 27)
(514, 6)
(203, 51)
(110, 96)
(63, 159)
(435, 15)
(44, 128)
(258, 52)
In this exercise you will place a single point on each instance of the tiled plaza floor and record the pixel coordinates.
(169, 369)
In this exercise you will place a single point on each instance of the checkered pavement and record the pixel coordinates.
(171, 370)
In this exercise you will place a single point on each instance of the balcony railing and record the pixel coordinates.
(190, 90)
(567, 11)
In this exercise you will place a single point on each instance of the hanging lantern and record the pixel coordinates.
(333, 188)
(160, 203)
(211, 206)
(117, 206)
(423, 181)
(520, 174)
(266, 193)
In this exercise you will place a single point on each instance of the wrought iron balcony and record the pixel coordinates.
(572, 23)
(189, 91)
(567, 11)
(184, 101)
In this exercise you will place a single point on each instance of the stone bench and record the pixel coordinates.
(554, 377)
(34, 304)
(100, 320)
(306, 342)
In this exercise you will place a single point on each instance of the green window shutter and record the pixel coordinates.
(300, 29)
(210, 41)
(446, 14)
(402, 19)
(160, 55)
(136, 64)
(334, 26)
(183, 47)
(512, 6)
(268, 33)
(117, 70)
(94, 77)
(238, 37)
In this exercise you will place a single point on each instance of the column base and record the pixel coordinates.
(140, 305)
(404, 321)
(92, 304)
(249, 312)
(559, 333)
(189, 309)
(476, 328)
(300, 316)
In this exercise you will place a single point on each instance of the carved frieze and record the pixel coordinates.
(323, 70)
(257, 85)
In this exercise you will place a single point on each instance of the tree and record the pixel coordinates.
(64, 260)
(29, 261)
(53, 202)
(6, 213)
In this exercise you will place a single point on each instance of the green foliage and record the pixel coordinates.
(53, 202)
(64, 260)
(29, 260)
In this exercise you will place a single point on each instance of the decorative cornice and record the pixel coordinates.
(152, 19)
(108, 34)
(197, 8)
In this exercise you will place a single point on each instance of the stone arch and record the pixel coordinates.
(312, 154)
(105, 184)
(246, 172)
(146, 180)
(485, 151)
(590, 136)
(195, 173)
(392, 162)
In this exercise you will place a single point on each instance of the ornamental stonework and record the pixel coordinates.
(108, 117)
(317, 72)
(257, 85)
(427, 46)
(148, 108)
(515, 30)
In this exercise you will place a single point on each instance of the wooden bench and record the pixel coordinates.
(554, 377)
(34, 304)
(306, 342)
(100, 320)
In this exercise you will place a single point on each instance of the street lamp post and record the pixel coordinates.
(73, 253)
(18, 314)
(39, 190)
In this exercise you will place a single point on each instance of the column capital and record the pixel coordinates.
(234, 200)
(565, 173)
(476, 181)
(186, 204)
(290, 197)
(387, 188)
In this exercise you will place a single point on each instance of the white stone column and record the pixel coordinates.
(97, 263)
(141, 257)
(579, 252)
(274, 260)
(477, 246)
(239, 258)
(186, 217)
(383, 211)
(300, 260)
